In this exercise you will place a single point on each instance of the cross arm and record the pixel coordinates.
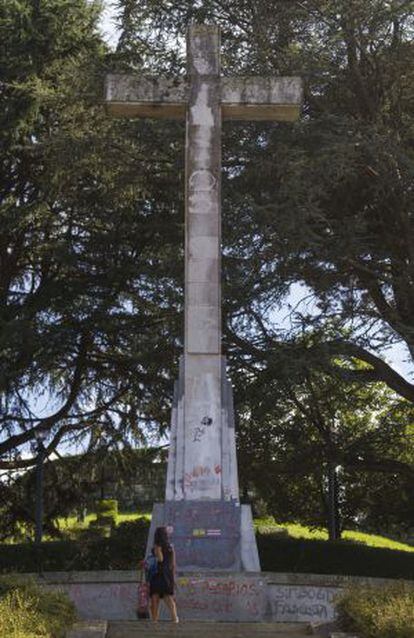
(242, 98)
(254, 98)
(137, 96)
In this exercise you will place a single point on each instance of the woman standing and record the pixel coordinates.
(163, 580)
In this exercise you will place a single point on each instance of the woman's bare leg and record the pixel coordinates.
(155, 607)
(170, 602)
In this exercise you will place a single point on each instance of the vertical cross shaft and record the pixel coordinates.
(202, 359)
(203, 167)
(202, 462)
(210, 528)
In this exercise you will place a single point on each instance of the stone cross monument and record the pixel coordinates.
(210, 529)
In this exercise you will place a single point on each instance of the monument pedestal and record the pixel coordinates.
(208, 536)
(208, 533)
(209, 527)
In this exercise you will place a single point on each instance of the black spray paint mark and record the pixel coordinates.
(199, 432)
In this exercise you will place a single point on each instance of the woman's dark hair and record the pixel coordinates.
(161, 538)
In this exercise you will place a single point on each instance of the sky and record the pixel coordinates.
(107, 24)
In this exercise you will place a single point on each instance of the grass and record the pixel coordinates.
(28, 611)
(296, 530)
(380, 612)
(71, 528)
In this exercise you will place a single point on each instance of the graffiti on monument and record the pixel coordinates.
(303, 603)
(202, 478)
(199, 432)
(221, 598)
(205, 534)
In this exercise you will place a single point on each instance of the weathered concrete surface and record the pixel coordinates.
(267, 597)
(138, 96)
(220, 472)
(302, 602)
(250, 559)
(257, 99)
(202, 464)
(241, 98)
(202, 358)
(89, 629)
(203, 535)
(204, 630)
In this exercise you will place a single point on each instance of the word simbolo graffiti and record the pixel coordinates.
(308, 593)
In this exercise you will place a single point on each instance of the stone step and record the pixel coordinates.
(193, 629)
(89, 629)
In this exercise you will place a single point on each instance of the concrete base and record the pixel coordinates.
(266, 597)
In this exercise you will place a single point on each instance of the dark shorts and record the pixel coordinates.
(162, 586)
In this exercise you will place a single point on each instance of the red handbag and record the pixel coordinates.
(143, 598)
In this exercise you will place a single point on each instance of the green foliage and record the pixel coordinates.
(296, 530)
(98, 528)
(362, 429)
(28, 610)
(127, 545)
(106, 516)
(323, 207)
(71, 486)
(325, 557)
(378, 612)
(20, 618)
(107, 507)
(91, 221)
(122, 550)
(72, 529)
(88, 250)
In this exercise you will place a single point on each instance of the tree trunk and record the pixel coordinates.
(334, 526)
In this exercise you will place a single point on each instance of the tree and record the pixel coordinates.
(326, 203)
(322, 451)
(93, 287)
(330, 200)
(89, 278)
(73, 484)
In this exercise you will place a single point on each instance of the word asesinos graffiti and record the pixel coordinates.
(221, 596)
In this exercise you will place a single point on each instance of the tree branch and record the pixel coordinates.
(46, 424)
(380, 371)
